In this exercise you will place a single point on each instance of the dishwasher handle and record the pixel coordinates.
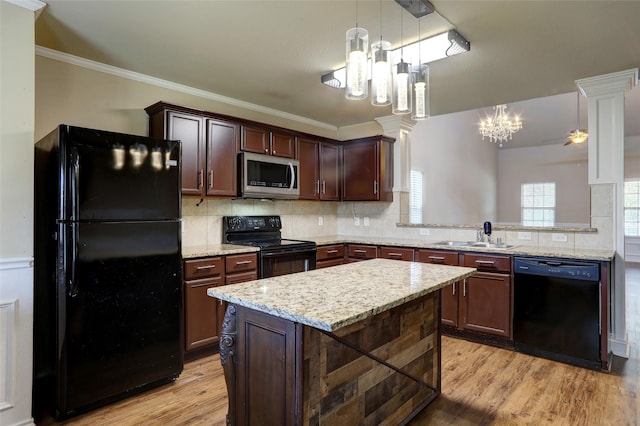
(582, 271)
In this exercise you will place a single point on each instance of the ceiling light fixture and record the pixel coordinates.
(417, 8)
(381, 70)
(500, 127)
(420, 93)
(356, 59)
(431, 49)
(578, 135)
(401, 83)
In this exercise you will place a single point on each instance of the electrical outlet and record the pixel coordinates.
(424, 231)
(320, 221)
(524, 235)
(366, 221)
(559, 238)
(356, 221)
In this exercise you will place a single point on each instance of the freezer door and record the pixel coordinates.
(120, 318)
(112, 176)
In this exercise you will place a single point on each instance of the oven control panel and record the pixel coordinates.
(251, 223)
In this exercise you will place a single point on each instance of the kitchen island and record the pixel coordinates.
(353, 344)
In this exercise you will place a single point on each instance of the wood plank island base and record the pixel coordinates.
(352, 344)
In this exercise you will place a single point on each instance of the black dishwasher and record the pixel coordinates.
(556, 312)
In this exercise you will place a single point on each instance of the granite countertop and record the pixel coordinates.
(331, 298)
(216, 250)
(521, 250)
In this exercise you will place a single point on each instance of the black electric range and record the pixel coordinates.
(277, 256)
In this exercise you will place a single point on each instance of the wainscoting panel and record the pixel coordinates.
(16, 340)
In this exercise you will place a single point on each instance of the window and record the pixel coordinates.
(538, 204)
(632, 208)
(415, 197)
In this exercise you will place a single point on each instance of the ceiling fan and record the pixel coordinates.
(578, 135)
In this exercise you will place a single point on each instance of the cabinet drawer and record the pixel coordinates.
(241, 263)
(327, 263)
(333, 251)
(241, 277)
(397, 253)
(488, 262)
(201, 268)
(358, 251)
(437, 256)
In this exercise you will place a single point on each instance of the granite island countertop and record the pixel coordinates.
(331, 298)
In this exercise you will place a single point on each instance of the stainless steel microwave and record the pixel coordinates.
(266, 176)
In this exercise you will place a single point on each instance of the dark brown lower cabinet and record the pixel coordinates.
(485, 302)
(448, 295)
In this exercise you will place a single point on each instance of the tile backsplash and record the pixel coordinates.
(202, 221)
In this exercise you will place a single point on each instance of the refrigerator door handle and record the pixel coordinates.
(75, 175)
(73, 258)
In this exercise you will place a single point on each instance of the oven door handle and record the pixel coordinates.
(283, 252)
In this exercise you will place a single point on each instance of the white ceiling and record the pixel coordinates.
(272, 53)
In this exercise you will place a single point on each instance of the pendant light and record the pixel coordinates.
(401, 82)
(578, 135)
(356, 69)
(381, 70)
(420, 84)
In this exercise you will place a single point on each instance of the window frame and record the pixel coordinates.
(538, 204)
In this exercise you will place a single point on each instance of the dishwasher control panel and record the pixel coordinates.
(582, 271)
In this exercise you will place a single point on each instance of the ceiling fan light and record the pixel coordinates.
(578, 136)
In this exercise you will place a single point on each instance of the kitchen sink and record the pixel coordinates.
(454, 243)
(474, 244)
(491, 245)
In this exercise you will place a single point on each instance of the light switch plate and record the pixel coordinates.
(320, 221)
(424, 231)
(559, 238)
(356, 221)
(524, 235)
(366, 221)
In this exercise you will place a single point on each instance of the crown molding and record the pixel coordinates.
(32, 5)
(143, 78)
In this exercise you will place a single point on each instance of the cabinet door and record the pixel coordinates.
(283, 145)
(188, 128)
(486, 302)
(329, 185)
(201, 313)
(360, 171)
(255, 139)
(222, 149)
(448, 295)
(309, 173)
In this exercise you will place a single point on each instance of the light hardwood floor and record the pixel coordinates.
(481, 385)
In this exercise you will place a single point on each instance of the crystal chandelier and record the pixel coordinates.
(500, 127)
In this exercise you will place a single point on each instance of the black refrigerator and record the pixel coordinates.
(108, 268)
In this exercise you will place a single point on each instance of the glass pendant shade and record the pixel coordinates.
(420, 84)
(401, 88)
(381, 86)
(357, 49)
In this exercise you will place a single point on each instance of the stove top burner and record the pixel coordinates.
(260, 231)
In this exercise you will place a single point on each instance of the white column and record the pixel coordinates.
(605, 95)
(399, 127)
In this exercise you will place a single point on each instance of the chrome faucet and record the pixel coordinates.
(479, 235)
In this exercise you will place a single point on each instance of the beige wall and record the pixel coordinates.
(74, 95)
(567, 166)
(16, 132)
(459, 170)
